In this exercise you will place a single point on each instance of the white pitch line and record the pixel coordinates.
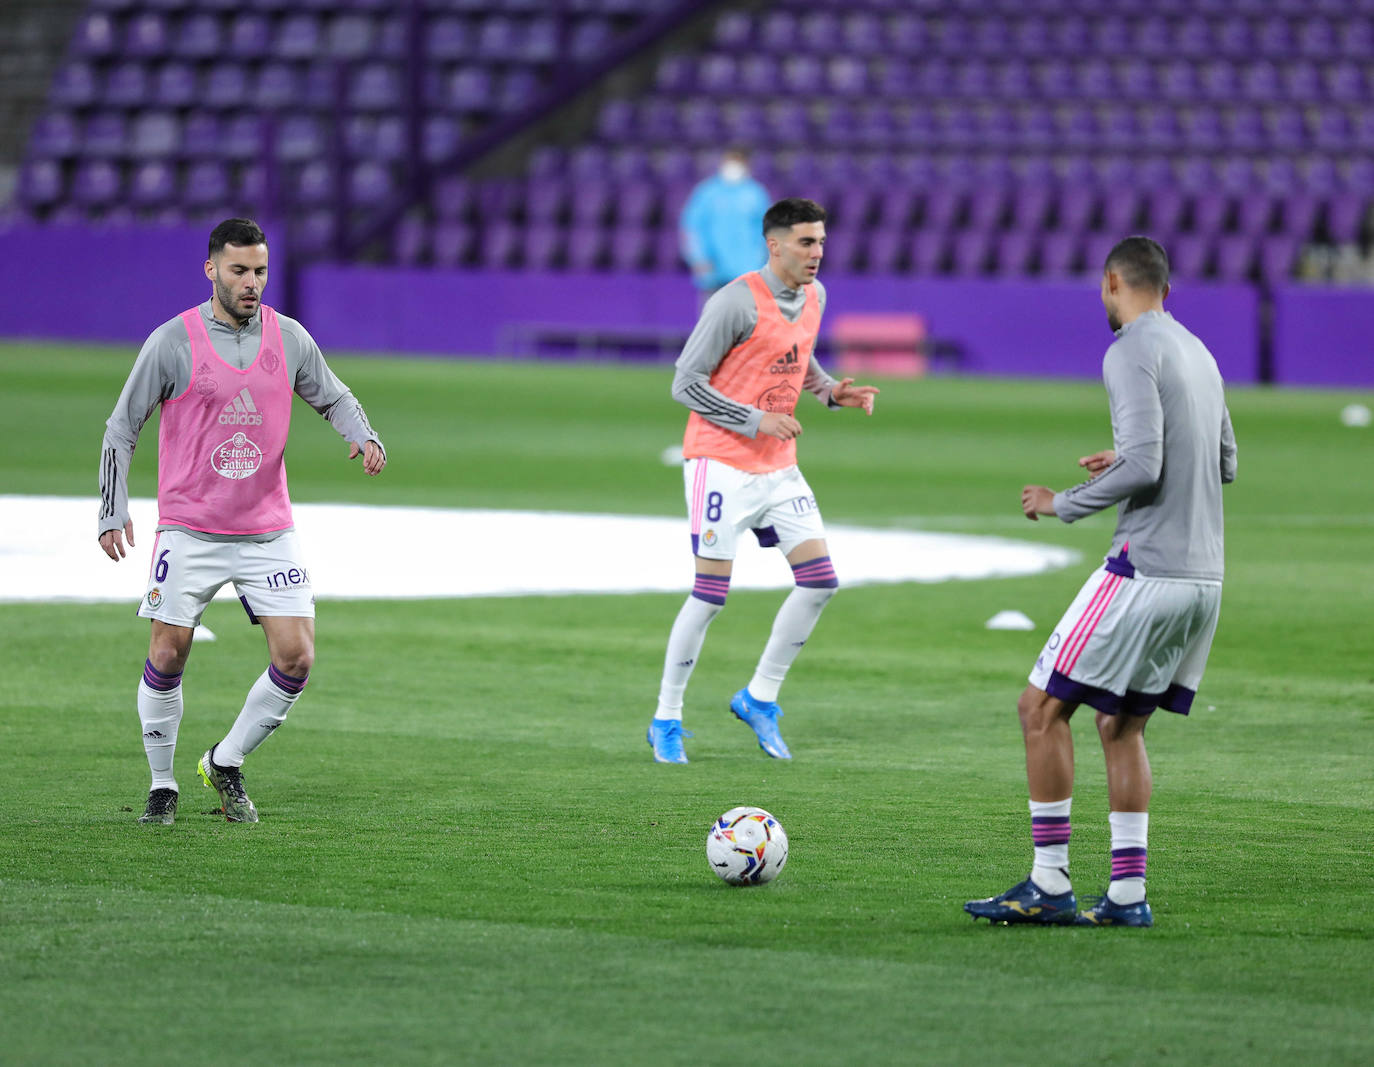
(48, 552)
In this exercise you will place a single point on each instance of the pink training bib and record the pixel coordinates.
(222, 443)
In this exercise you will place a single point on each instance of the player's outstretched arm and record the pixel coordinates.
(848, 395)
(374, 459)
(113, 542)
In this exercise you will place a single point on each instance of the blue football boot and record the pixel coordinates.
(763, 720)
(1106, 912)
(665, 735)
(1026, 903)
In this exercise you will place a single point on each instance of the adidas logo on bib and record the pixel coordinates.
(241, 411)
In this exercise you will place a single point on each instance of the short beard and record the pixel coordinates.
(226, 301)
(1113, 321)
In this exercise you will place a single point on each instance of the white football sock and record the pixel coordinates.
(160, 713)
(1130, 842)
(263, 711)
(791, 628)
(684, 646)
(1050, 835)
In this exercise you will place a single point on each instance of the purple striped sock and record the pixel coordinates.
(712, 588)
(818, 573)
(1128, 863)
(155, 679)
(1050, 830)
(285, 682)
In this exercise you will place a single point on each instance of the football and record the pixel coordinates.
(747, 846)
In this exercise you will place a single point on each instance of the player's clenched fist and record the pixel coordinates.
(780, 425)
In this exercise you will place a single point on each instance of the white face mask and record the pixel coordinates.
(734, 170)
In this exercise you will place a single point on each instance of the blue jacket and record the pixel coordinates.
(722, 224)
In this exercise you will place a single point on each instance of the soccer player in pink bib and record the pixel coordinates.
(224, 374)
(1137, 636)
(741, 374)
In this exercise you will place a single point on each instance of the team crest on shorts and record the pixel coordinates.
(155, 597)
(709, 538)
(236, 458)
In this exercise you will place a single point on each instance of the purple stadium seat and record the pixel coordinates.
(1015, 252)
(440, 136)
(410, 241)
(1073, 36)
(175, 85)
(987, 206)
(314, 184)
(1166, 206)
(96, 183)
(1235, 257)
(884, 248)
(146, 36)
(1118, 127)
(1286, 129)
(1179, 81)
(1254, 213)
(1234, 38)
(469, 88)
(1358, 174)
(153, 184)
(590, 37)
(1344, 83)
(453, 198)
(243, 137)
(734, 30)
(250, 35)
(301, 137)
(1278, 256)
(545, 200)
(1202, 129)
(846, 76)
(1330, 130)
(350, 36)
(944, 206)
(1345, 216)
(592, 203)
(1060, 253)
(106, 135)
(631, 248)
(1320, 175)
(638, 204)
(498, 36)
(1014, 79)
(199, 37)
(1299, 215)
(675, 73)
(894, 208)
(1220, 81)
(39, 182)
(1077, 207)
(448, 38)
(1275, 37)
(862, 34)
(759, 74)
(278, 85)
(95, 36)
(202, 135)
(56, 135)
(586, 247)
(1121, 209)
(155, 135)
(1302, 83)
(1196, 175)
(1038, 128)
(298, 36)
(375, 87)
(226, 82)
(818, 30)
(1189, 255)
(313, 233)
(519, 87)
(1260, 82)
(74, 85)
(616, 120)
(777, 31)
(206, 185)
(1093, 80)
(1031, 206)
(928, 252)
(1357, 38)
(1210, 211)
(542, 246)
(1244, 129)
(370, 182)
(1317, 39)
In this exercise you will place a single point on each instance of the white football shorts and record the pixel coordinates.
(1131, 644)
(186, 573)
(723, 502)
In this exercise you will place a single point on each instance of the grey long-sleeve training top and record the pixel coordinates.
(163, 371)
(1175, 448)
(728, 319)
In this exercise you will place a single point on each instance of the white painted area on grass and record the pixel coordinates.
(48, 552)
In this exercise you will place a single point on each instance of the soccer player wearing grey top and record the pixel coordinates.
(224, 374)
(1137, 636)
(740, 376)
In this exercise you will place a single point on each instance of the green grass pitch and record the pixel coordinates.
(466, 854)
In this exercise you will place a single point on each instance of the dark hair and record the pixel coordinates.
(1141, 262)
(787, 213)
(235, 232)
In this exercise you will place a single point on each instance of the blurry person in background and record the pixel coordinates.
(721, 225)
